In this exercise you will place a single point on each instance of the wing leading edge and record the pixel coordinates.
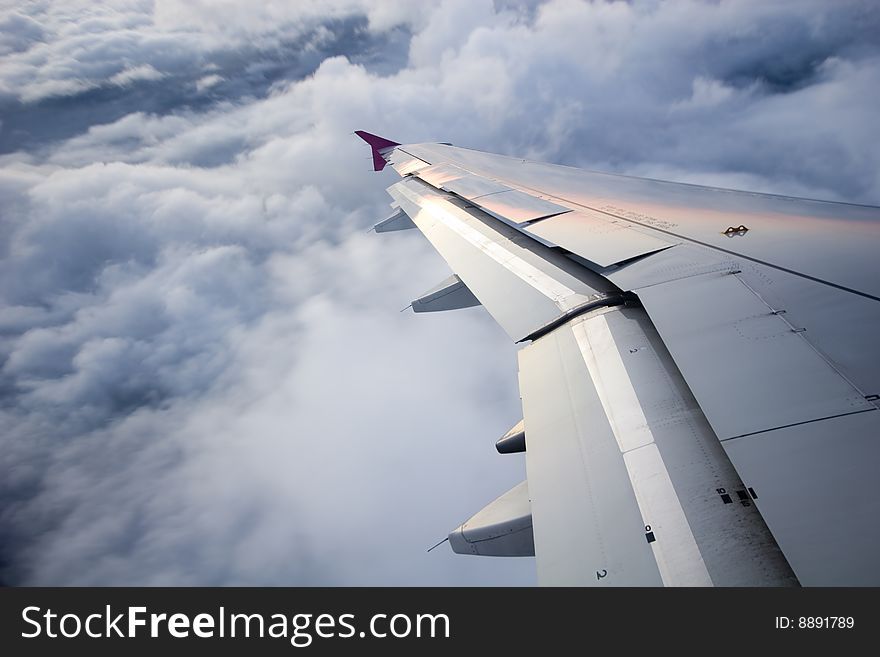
(699, 404)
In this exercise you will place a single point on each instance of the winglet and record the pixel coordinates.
(379, 145)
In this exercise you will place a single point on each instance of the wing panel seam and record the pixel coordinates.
(797, 424)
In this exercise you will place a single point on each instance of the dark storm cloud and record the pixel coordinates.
(18, 32)
(204, 378)
(187, 80)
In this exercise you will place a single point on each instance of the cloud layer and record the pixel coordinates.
(205, 379)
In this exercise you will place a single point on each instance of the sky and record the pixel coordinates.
(205, 378)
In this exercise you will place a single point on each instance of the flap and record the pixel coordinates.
(814, 485)
(749, 369)
(439, 174)
(518, 207)
(472, 187)
(494, 197)
(598, 238)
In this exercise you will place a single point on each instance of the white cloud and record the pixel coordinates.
(205, 377)
(135, 73)
(706, 93)
(208, 81)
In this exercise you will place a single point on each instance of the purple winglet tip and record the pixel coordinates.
(378, 145)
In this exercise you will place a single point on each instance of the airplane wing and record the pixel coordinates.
(699, 371)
